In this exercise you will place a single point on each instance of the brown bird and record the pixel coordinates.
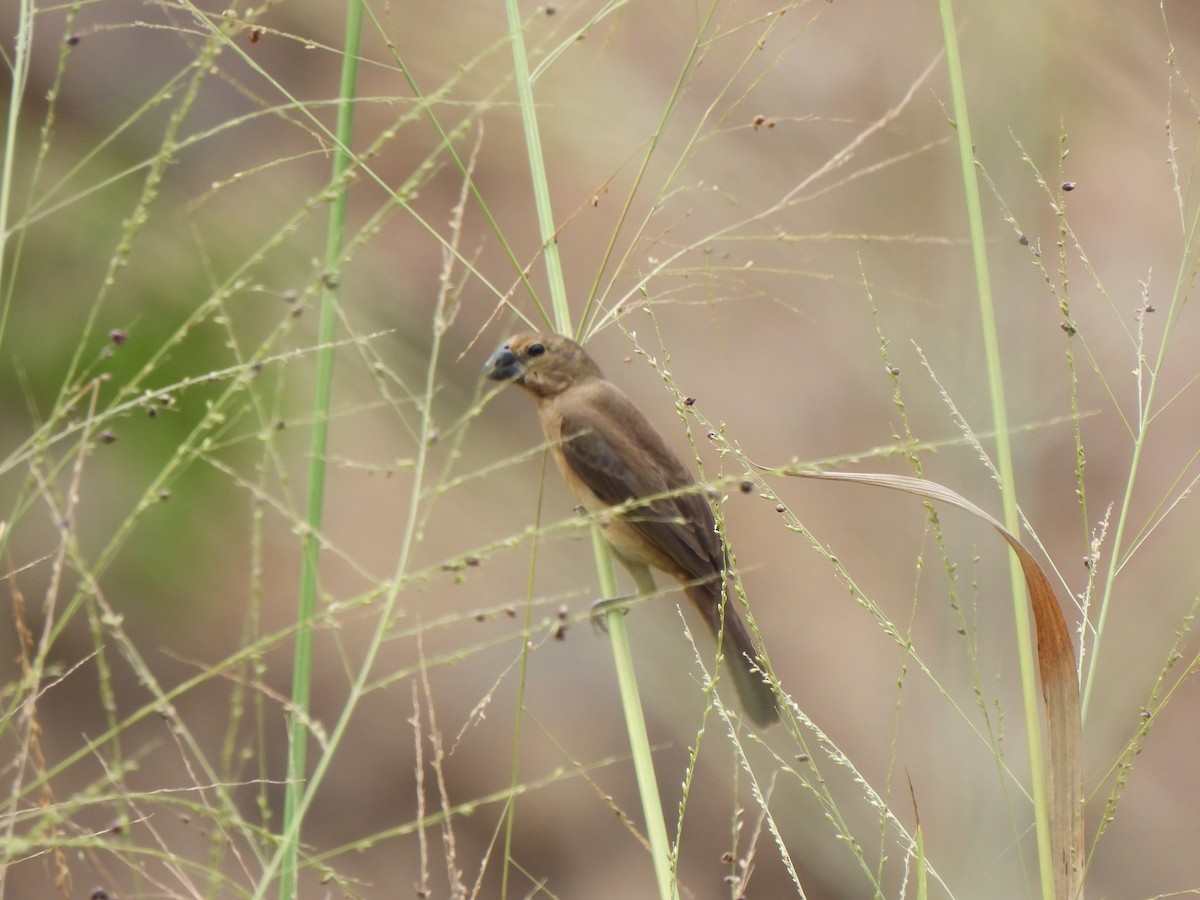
(609, 454)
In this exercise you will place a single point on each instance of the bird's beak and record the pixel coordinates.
(503, 366)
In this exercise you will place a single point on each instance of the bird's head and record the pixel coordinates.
(543, 364)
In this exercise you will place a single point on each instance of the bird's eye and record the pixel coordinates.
(535, 350)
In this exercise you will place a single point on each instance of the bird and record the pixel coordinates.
(610, 455)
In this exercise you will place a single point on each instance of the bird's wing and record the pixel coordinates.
(615, 451)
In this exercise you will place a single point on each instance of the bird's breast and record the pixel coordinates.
(620, 534)
(551, 419)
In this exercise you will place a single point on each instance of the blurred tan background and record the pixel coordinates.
(768, 325)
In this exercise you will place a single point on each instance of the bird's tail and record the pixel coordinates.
(757, 698)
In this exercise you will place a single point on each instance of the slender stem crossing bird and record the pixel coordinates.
(611, 456)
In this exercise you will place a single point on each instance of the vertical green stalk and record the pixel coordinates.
(537, 170)
(656, 829)
(635, 724)
(1008, 492)
(311, 547)
(20, 74)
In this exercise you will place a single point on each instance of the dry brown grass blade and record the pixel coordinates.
(1056, 664)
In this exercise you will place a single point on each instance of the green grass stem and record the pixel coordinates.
(635, 722)
(20, 75)
(319, 441)
(1008, 494)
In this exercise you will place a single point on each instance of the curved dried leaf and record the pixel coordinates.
(1056, 665)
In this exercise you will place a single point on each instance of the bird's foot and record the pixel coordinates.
(602, 607)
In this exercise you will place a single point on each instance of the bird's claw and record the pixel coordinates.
(602, 607)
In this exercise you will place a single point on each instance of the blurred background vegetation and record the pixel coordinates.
(801, 204)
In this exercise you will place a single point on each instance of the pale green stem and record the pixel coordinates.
(991, 345)
(310, 571)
